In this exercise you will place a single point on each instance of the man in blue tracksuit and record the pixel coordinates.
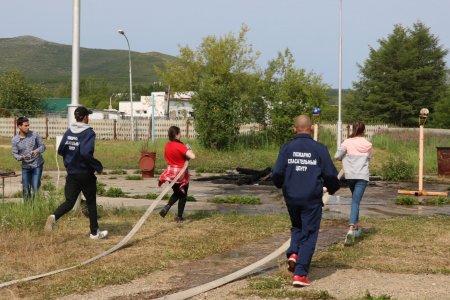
(77, 149)
(302, 169)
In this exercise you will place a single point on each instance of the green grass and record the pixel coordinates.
(133, 177)
(29, 216)
(236, 199)
(156, 247)
(404, 145)
(406, 200)
(411, 200)
(399, 245)
(118, 172)
(396, 152)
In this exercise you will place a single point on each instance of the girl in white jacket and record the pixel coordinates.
(355, 153)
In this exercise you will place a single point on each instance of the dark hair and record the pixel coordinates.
(358, 128)
(21, 120)
(81, 112)
(173, 132)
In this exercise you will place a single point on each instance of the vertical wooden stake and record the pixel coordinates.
(316, 133)
(421, 158)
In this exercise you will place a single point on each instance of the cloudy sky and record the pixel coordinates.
(309, 28)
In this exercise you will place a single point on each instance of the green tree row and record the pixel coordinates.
(406, 73)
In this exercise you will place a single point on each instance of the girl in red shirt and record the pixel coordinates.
(176, 153)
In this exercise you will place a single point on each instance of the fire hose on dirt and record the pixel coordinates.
(112, 249)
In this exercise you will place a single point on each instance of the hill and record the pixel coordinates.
(51, 63)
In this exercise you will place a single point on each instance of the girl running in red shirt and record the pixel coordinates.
(176, 153)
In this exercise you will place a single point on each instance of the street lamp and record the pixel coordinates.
(131, 83)
(339, 123)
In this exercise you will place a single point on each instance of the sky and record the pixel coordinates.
(309, 28)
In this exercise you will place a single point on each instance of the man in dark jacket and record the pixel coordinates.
(302, 170)
(77, 149)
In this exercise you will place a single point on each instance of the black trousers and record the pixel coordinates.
(76, 183)
(179, 196)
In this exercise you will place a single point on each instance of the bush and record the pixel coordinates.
(101, 188)
(406, 200)
(397, 169)
(237, 200)
(438, 201)
(114, 192)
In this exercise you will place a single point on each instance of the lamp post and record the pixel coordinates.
(131, 83)
(339, 123)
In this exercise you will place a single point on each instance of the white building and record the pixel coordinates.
(179, 105)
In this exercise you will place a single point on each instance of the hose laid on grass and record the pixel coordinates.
(231, 277)
(112, 249)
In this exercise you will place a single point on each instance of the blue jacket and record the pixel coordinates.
(77, 149)
(302, 169)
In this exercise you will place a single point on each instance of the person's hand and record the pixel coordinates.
(34, 153)
(25, 157)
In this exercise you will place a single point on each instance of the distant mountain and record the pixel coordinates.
(51, 63)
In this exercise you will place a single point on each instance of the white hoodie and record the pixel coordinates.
(355, 154)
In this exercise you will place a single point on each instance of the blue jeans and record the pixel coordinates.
(31, 181)
(357, 187)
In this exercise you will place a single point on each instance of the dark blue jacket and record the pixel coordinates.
(77, 149)
(302, 169)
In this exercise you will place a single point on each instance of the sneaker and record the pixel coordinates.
(179, 219)
(51, 220)
(292, 260)
(164, 211)
(99, 235)
(300, 281)
(349, 238)
(357, 232)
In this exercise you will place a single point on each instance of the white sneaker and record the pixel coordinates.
(99, 235)
(349, 238)
(51, 220)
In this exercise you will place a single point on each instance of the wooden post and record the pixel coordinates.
(150, 129)
(187, 127)
(115, 129)
(15, 126)
(421, 158)
(316, 131)
(422, 118)
(46, 128)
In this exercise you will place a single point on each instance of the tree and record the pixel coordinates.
(223, 74)
(406, 73)
(17, 97)
(441, 116)
(290, 92)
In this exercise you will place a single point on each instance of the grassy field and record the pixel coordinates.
(249, 153)
(407, 245)
(126, 155)
(415, 245)
(159, 244)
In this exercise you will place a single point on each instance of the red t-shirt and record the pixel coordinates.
(175, 153)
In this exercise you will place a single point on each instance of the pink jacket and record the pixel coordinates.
(355, 154)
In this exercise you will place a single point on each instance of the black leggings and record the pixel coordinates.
(179, 196)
